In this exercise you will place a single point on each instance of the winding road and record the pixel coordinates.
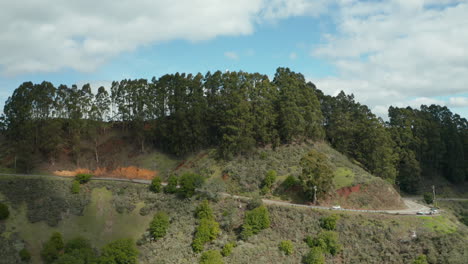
(412, 206)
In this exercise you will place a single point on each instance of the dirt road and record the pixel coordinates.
(412, 206)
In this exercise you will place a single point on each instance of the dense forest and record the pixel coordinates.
(234, 112)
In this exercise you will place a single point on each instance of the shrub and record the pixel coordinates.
(227, 249)
(315, 256)
(4, 211)
(188, 182)
(24, 254)
(428, 198)
(211, 257)
(171, 186)
(156, 184)
(52, 248)
(421, 259)
(287, 247)
(327, 241)
(204, 211)
(159, 225)
(254, 203)
(265, 190)
(207, 231)
(289, 182)
(270, 179)
(75, 188)
(329, 223)
(83, 177)
(255, 221)
(119, 251)
(79, 250)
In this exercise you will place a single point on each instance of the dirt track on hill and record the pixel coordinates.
(412, 206)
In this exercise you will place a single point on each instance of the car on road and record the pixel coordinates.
(336, 207)
(420, 213)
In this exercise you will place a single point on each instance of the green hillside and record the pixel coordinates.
(104, 211)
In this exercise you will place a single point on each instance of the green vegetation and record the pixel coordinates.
(329, 222)
(269, 180)
(159, 225)
(172, 183)
(289, 182)
(119, 252)
(83, 177)
(155, 185)
(211, 257)
(4, 211)
(343, 177)
(362, 237)
(315, 256)
(227, 249)
(206, 231)
(287, 247)
(77, 250)
(75, 188)
(52, 248)
(25, 256)
(188, 182)
(255, 221)
(204, 210)
(421, 259)
(428, 198)
(316, 172)
(327, 241)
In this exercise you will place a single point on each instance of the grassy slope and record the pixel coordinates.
(366, 238)
(244, 174)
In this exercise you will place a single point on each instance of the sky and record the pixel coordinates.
(387, 53)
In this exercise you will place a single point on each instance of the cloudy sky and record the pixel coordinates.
(395, 52)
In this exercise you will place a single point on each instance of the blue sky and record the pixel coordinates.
(392, 52)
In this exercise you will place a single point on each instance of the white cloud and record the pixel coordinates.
(458, 101)
(387, 52)
(50, 35)
(293, 55)
(231, 55)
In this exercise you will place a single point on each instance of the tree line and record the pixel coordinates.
(234, 112)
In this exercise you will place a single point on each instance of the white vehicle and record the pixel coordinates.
(336, 207)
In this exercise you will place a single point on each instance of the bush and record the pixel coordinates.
(270, 179)
(204, 211)
(159, 225)
(83, 177)
(188, 182)
(156, 184)
(255, 221)
(287, 247)
(24, 254)
(79, 250)
(119, 251)
(327, 241)
(329, 223)
(421, 259)
(4, 211)
(52, 248)
(227, 249)
(211, 257)
(207, 231)
(315, 256)
(289, 182)
(254, 203)
(171, 186)
(428, 198)
(75, 188)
